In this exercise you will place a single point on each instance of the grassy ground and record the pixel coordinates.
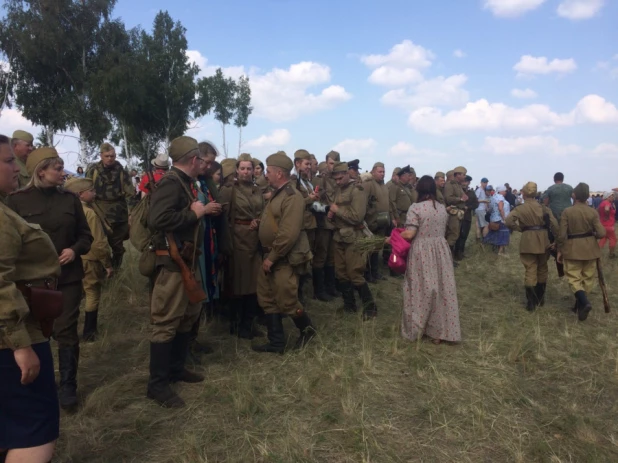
(520, 388)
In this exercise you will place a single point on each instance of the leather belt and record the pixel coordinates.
(580, 235)
(243, 222)
(536, 227)
(47, 283)
(162, 252)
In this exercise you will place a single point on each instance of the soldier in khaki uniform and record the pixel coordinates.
(243, 207)
(324, 256)
(22, 143)
(532, 219)
(98, 262)
(466, 223)
(377, 216)
(348, 213)
(580, 228)
(115, 192)
(455, 200)
(314, 166)
(440, 179)
(286, 252)
(176, 213)
(400, 197)
(258, 174)
(353, 167)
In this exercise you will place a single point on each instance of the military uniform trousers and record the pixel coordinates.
(536, 268)
(453, 229)
(277, 291)
(350, 264)
(580, 274)
(170, 310)
(120, 233)
(65, 326)
(94, 275)
(460, 245)
(311, 236)
(324, 255)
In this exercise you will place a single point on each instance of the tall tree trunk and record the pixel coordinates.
(127, 147)
(83, 152)
(49, 134)
(239, 139)
(224, 142)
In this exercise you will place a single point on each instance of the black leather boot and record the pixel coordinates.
(90, 326)
(370, 310)
(307, 330)
(576, 306)
(584, 305)
(302, 279)
(455, 264)
(276, 336)
(330, 282)
(347, 292)
(539, 289)
(531, 300)
(68, 360)
(246, 315)
(159, 388)
(178, 359)
(368, 276)
(374, 264)
(319, 290)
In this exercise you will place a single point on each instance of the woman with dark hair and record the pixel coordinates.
(216, 174)
(430, 304)
(59, 214)
(80, 172)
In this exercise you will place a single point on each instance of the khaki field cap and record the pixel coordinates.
(281, 160)
(23, 136)
(322, 167)
(162, 161)
(302, 154)
(228, 167)
(529, 189)
(334, 155)
(460, 170)
(396, 170)
(105, 147)
(244, 157)
(449, 173)
(77, 185)
(412, 171)
(378, 164)
(182, 146)
(582, 191)
(340, 167)
(38, 156)
(256, 162)
(312, 156)
(439, 175)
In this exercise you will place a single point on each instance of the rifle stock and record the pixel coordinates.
(194, 290)
(603, 287)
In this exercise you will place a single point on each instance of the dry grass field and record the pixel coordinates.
(521, 387)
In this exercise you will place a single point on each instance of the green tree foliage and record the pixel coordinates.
(242, 106)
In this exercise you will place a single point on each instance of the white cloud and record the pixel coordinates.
(276, 139)
(353, 147)
(403, 55)
(511, 8)
(459, 53)
(207, 70)
(523, 94)
(610, 66)
(481, 115)
(394, 77)
(606, 150)
(530, 65)
(439, 91)
(539, 145)
(413, 153)
(579, 9)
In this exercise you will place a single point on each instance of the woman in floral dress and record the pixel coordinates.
(430, 304)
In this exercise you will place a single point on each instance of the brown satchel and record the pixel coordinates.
(494, 226)
(44, 302)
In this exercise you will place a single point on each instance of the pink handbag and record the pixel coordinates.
(398, 259)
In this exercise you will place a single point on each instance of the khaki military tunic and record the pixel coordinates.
(377, 202)
(280, 229)
(24, 176)
(28, 255)
(96, 261)
(400, 198)
(170, 212)
(534, 245)
(452, 197)
(305, 187)
(324, 250)
(262, 183)
(580, 254)
(243, 203)
(440, 196)
(349, 262)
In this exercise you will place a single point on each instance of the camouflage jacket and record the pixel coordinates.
(114, 190)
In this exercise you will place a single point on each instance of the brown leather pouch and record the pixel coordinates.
(45, 305)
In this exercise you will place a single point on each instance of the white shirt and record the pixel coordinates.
(481, 195)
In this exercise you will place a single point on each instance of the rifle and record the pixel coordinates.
(193, 289)
(552, 239)
(602, 285)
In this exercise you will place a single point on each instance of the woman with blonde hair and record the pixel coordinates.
(59, 214)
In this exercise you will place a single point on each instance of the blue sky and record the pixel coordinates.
(515, 90)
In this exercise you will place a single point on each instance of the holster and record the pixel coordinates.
(187, 252)
(44, 302)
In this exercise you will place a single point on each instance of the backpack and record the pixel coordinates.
(398, 260)
(139, 233)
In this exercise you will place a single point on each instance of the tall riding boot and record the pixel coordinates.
(455, 264)
(368, 275)
(330, 281)
(374, 263)
(319, 290)
(276, 336)
(539, 289)
(116, 261)
(90, 326)
(307, 330)
(347, 292)
(235, 306)
(531, 299)
(159, 388)
(584, 305)
(302, 279)
(370, 310)
(195, 347)
(68, 360)
(246, 314)
(178, 359)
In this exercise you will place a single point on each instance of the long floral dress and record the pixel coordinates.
(430, 304)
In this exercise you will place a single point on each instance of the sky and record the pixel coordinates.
(514, 90)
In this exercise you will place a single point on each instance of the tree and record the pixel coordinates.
(243, 108)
